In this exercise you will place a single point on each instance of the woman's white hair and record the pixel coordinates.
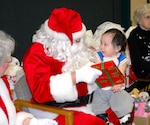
(140, 11)
(74, 56)
(7, 44)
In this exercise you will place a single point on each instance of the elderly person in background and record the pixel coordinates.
(8, 115)
(139, 42)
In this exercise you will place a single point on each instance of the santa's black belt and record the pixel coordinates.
(83, 100)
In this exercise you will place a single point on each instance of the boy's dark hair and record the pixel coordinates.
(119, 38)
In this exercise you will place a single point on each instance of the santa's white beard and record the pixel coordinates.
(79, 55)
(74, 56)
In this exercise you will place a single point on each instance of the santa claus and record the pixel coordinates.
(58, 67)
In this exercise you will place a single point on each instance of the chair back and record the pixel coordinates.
(22, 90)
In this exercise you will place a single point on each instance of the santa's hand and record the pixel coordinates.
(87, 74)
(35, 121)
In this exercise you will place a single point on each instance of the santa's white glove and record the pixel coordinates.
(35, 121)
(87, 74)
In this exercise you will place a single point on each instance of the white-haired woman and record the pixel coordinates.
(8, 114)
(139, 42)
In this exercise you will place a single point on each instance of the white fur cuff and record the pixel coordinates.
(62, 88)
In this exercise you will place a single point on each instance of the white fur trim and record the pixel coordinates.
(21, 116)
(3, 118)
(62, 36)
(62, 88)
(8, 102)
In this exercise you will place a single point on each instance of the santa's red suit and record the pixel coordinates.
(8, 115)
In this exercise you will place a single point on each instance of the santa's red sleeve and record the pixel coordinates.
(45, 78)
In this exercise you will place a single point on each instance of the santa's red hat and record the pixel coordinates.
(65, 24)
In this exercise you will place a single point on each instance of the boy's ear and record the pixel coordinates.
(117, 48)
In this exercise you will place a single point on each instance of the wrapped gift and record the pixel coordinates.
(111, 75)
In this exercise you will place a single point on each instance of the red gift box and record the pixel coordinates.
(111, 75)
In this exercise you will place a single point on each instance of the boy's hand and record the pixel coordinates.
(117, 88)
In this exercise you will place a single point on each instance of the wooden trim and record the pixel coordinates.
(69, 119)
